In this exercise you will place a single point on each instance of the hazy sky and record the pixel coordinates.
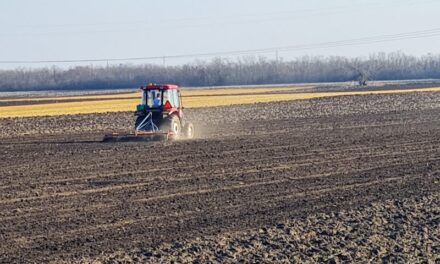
(86, 29)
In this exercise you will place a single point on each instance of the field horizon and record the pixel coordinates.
(195, 98)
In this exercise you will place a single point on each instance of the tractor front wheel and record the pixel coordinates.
(188, 130)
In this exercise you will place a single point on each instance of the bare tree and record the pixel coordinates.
(245, 70)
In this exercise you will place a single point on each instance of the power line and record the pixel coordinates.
(306, 11)
(143, 25)
(343, 43)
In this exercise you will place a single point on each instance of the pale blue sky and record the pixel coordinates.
(80, 29)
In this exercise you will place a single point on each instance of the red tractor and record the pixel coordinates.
(159, 115)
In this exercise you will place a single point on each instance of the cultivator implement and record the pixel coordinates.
(144, 131)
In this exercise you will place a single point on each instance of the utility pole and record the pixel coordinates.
(163, 60)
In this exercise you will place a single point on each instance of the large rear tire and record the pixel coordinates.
(175, 127)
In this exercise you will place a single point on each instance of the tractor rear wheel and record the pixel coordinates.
(175, 127)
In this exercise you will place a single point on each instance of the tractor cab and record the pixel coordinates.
(160, 100)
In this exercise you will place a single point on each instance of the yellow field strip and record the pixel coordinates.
(134, 95)
(81, 97)
(86, 107)
(195, 102)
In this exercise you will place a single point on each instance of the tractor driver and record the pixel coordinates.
(156, 101)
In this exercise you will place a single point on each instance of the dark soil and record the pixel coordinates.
(322, 176)
(391, 231)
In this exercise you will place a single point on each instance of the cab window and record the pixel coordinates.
(173, 97)
(154, 98)
(176, 98)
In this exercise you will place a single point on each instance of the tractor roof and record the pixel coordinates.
(159, 86)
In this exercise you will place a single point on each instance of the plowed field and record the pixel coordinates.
(253, 169)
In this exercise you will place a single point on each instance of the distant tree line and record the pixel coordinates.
(243, 71)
